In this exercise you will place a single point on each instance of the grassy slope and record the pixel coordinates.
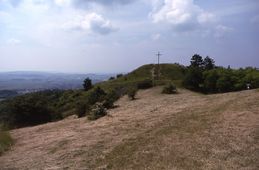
(169, 72)
(156, 131)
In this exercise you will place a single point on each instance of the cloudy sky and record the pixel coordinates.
(105, 36)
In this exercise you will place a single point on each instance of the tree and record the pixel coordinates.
(252, 77)
(193, 78)
(119, 75)
(225, 82)
(111, 78)
(210, 80)
(196, 61)
(208, 63)
(87, 84)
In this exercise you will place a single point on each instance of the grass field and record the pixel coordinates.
(156, 131)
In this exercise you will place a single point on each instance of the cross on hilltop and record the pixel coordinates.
(158, 64)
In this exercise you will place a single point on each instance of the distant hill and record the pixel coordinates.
(34, 81)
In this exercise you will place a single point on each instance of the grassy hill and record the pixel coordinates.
(157, 131)
(168, 73)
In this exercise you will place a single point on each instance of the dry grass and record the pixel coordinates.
(183, 131)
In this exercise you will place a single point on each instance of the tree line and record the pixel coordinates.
(204, 76)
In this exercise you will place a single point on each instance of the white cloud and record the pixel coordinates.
(32, 6)
(85, 3)
(156, 37)
(62, 2)
(4, 14)
(10, 3)
(183, 15)
(206, 17)
(222, 30)
(91, 23)
(13, 41)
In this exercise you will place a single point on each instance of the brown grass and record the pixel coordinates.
(183, 131)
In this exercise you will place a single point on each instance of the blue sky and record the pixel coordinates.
(105, 36)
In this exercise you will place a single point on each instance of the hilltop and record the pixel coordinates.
(157, 131)
(168, 72)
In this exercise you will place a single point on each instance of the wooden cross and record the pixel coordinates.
(158, 64)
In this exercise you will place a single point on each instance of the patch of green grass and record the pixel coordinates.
(5, 141)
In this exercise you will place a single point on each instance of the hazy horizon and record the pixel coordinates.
(58, 72)
(79, 36)
(102, 73)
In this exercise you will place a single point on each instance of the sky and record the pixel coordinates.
(111, 36)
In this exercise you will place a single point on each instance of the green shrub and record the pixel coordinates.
(224, 84)
(210, 80)
(145, 84)
(96, 95)
(29, 110)
(131, 92)
(5, 140)
(36, 108)
(81, 109)
(98, 110)
(110, 98)
(169, 89)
